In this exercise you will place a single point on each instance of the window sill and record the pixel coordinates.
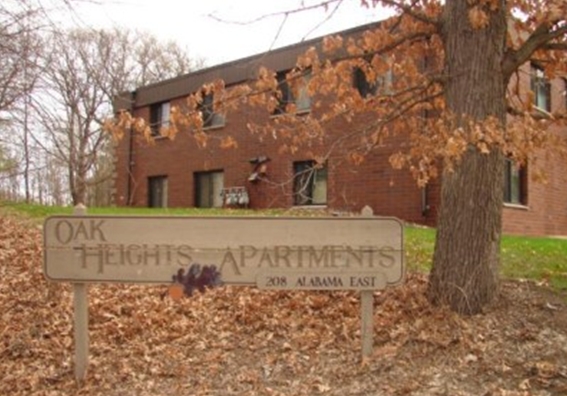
(213, 127)
(516, 206)
(540, 111)
(297, 113)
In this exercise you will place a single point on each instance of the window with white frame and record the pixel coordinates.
(292, 94)
(515, 183)
(309, 183)
(159, 117)
(208, 189)
(211, 119)
(541, 89)
(157, 191)
(365, 87)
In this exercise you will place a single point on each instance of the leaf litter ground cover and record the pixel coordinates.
(243, 341)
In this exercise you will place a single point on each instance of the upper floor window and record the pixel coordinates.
(370, 87)
(288, 96)
(309, 183)
(210, 118)
(541, 89)
(515, 183)
(159, 117)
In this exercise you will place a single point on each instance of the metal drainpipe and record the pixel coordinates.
(130, 167)
(425, 201)
(130, 198)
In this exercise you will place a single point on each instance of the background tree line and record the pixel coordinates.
(56, 90)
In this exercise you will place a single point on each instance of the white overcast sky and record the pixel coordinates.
(241, 27)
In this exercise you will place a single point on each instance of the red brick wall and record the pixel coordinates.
(546, 209)
(350, 187)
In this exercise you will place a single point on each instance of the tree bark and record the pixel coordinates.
(466, 257)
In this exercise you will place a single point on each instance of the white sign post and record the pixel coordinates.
(81, 320)
(292, 253)
(367, 310)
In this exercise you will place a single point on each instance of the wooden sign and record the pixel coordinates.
(191, 253)
(350, 253)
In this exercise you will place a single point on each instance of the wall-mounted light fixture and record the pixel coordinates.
(260, 168)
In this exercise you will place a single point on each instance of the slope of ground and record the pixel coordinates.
(242, 341)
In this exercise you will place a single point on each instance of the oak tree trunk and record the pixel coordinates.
(466, 257)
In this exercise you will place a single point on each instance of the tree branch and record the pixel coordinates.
(323, 4)
(539, 39)
(388, 48)
(555, 47)
(407, 9)
(537, 114)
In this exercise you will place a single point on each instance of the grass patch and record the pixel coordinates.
(40, 212)
(418, 245)
(542, 259)
(539, 259)
(34, 210)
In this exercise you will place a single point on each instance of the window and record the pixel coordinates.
(362, 85)
(208, 189)
(157, 192)
(541, 89)
(210, 118)
(309, 183)
(159, 117)
(366, 88)
(515, 183)
(301, 100)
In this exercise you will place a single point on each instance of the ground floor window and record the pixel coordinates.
(208, 189)
(515, 183)
(157, 192)
(309, 183)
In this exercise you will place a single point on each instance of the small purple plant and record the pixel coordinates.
(198, 277)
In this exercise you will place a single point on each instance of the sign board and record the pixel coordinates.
(357, 253)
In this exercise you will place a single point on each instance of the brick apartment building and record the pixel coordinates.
(177, 173)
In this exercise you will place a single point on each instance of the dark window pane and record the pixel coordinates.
(157, 192)
(515, 182)
(208, 188)
(286, 94)
(541, 89)
(206, 109)
(310, 184)
(362, 85)
(210, 118)
(159, 117)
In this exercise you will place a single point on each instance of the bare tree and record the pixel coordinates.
(100, 185)
(19, 53)
(8, 172)
(21, 24)
(84, 70)
(152, 59)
